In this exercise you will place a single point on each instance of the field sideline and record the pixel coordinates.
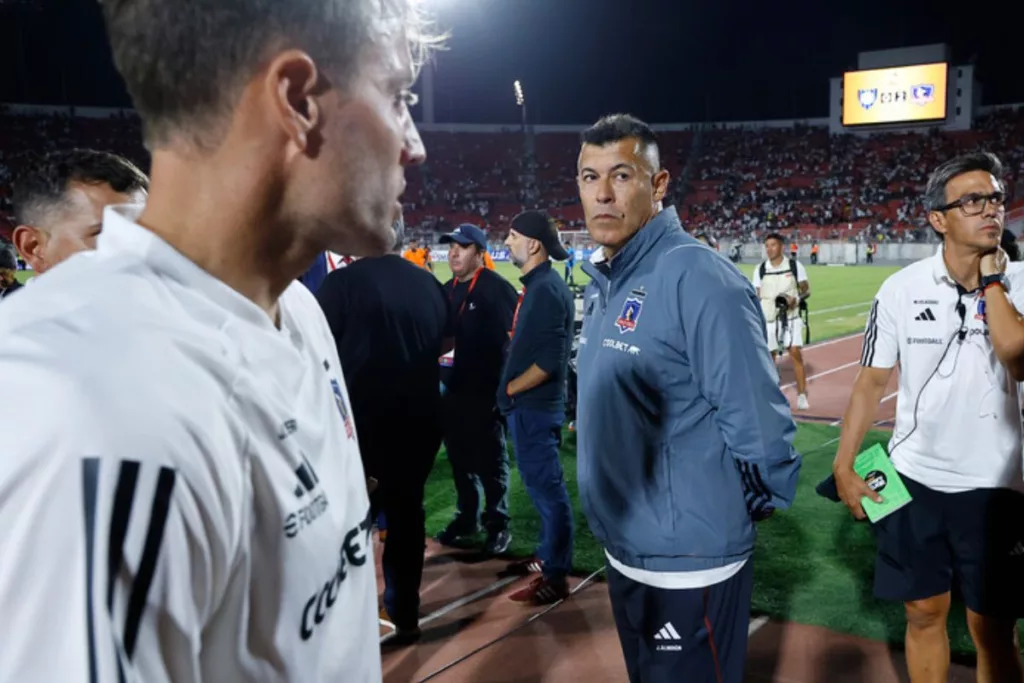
(840, 296)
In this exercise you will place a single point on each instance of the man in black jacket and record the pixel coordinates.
(532, 395)
(482, 303)
(390, 321)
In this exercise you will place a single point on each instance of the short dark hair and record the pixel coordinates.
(616, 127)
(185, 62)
(935, 191)
(775, 236)
(43, 182)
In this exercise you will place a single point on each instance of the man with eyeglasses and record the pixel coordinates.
(951, 322)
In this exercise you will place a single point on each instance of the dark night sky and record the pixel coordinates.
(663, 60)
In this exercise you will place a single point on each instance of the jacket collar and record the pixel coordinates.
(625, 262)
(535, 273)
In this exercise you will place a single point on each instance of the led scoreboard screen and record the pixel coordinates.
(903, 94)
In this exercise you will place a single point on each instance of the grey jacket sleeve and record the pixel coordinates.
(724, 331)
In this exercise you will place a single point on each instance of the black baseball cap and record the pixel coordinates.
(541, 227)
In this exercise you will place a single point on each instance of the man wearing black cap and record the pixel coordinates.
(8, 269)
(482, 304)
(532, 396)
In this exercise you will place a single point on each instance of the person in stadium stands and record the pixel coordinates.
(684, 437)
(781, 280)
(59, 201)
(953, 327)
(182, 485)
(482, 304)
(532, 397)
(8, 271)
(390, 322)
(419, 255)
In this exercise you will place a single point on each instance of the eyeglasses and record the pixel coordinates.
(974, 204)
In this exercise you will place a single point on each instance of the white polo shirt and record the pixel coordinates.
(181, 493)
(967, 412)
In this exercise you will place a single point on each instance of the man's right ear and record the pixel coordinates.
(29, 241)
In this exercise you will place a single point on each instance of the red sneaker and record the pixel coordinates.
(542, 591)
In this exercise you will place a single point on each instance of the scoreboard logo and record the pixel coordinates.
(919, 95)
(895, 95)
(868, 97)
(923, 94)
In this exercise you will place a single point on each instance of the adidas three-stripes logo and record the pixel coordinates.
(667, 632)
(926, 315)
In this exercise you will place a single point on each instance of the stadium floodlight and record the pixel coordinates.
(520, 100)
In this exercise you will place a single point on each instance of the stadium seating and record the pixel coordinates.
(735, 182)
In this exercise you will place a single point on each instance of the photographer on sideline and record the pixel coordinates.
(782, 286)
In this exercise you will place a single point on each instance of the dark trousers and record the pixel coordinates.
(475, 441)
(401, 463)
(695, 636)
(537, 435)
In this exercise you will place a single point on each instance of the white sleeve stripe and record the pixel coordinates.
(150, 553)
(90, 482)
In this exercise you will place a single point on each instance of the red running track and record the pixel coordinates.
(831, 368)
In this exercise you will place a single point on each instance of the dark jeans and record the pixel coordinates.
(401, 462)
(475, 441)
(537, 435)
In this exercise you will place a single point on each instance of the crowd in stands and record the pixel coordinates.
(749, 182)
(737, 183)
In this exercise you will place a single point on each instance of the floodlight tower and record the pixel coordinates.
(520, 101)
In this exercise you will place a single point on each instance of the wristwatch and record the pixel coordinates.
(997, 279)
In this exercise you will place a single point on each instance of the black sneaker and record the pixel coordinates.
(497, 542)
(456, 535)
(402, 635)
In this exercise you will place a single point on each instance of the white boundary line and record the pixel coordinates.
(824, 373)
(836, 340)
(887, 398)
(455, 604)
(841, 308)
(756, 624)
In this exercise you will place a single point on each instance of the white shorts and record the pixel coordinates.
(793, 336)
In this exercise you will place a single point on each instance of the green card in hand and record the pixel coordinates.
(875, 467)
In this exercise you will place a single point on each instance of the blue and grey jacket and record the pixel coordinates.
(684, 436)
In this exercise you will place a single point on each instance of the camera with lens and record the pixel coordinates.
(781, 303)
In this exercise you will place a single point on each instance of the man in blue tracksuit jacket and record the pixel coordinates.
(684, 437)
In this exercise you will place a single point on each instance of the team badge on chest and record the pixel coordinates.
(632, 307)
(339, 398)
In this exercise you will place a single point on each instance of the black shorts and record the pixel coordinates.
(972, 541)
